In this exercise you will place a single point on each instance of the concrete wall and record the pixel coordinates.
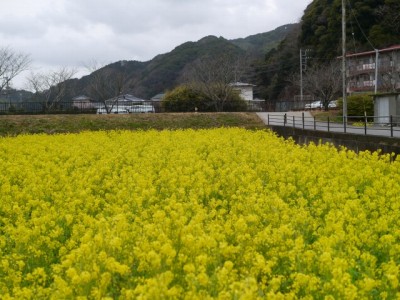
(386, 105)
(246, 92)
(350, 141)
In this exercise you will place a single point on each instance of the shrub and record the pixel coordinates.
(235, 103)
(186, 99)
(358, 105)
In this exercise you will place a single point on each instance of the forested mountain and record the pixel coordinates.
(166, 71)
(269, 59)
(259, 44)
(272, 76)
(370, 24)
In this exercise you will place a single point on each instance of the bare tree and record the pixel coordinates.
(51, 87)
(390, 80)
(323, 82)
(389, 69)
(106, 85)
(213, 77)
(11, 65)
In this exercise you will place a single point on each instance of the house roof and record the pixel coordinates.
(385, 94)
(126, 98)
(368, 53)
(130, 97)
(81, 98)
(158, 97)
(240, 84)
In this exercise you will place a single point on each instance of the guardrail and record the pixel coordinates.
(366, 125)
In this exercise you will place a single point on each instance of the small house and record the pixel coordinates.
(124, 100)
(158, 97)
(245, 90)
(82, 102)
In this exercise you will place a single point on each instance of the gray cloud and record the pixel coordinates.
(72, 32)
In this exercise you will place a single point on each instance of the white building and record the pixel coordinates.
(126, 99)
(361, 70)
(82, 102)
(245, 90)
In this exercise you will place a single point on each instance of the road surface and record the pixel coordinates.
(304, 119)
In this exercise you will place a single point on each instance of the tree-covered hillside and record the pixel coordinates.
(166, 71)
(272, 76)
(261, 43)
(370, 24)
(271, 57)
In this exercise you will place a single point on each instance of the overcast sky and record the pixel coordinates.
(75, 32)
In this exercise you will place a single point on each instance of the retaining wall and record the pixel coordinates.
(351, 141)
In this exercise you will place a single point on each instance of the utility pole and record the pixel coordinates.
(344, 61)
(301, 75)
(8, 92)
(376, 69)
(303, 67)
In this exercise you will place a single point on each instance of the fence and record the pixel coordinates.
(77, 107)
(366, 125)
(281, 106)
(81, 107)
(86, 107)
(295, 105)
(43, 108)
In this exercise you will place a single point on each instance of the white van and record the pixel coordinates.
(142, 108)
(114, 110)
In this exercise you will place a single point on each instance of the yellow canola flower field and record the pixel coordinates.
(207, 214)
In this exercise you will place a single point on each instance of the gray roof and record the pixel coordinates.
(126, 98)
(241, 84)
(158, 97)
(81, 98)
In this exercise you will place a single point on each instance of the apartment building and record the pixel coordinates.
(361, 70)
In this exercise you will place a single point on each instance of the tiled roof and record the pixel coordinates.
(367, 53)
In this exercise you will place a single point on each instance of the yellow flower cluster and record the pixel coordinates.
(207, 214)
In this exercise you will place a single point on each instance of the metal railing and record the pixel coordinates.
(366, 125)
(298, 105)
(86, 107)
(75, 107)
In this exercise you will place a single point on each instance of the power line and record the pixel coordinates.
(359, 26)
(354, 39)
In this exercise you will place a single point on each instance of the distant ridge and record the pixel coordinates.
(165, 71)
(261, 43)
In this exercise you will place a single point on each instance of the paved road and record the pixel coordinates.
(296, 119)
